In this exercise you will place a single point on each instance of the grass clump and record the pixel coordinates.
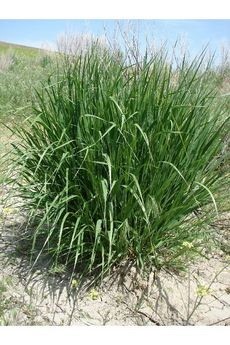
(119, 159)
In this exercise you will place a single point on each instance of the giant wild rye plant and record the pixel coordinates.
(121, 153)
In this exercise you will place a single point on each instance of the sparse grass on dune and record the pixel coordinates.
(117, 160)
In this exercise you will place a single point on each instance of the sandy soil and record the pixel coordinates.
(46, 297)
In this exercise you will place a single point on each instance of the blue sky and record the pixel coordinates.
(196, 33)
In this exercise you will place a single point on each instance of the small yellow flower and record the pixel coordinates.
(187, 244)
(94, 294)
(74, 283)
(202, 290)
(7, 210)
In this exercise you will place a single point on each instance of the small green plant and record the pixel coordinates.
(118, 159)
(45, 61)
(57, 269)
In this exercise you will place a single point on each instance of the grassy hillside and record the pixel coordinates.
(6, 48)
(22, 69)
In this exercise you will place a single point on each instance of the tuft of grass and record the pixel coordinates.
(118, 159)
